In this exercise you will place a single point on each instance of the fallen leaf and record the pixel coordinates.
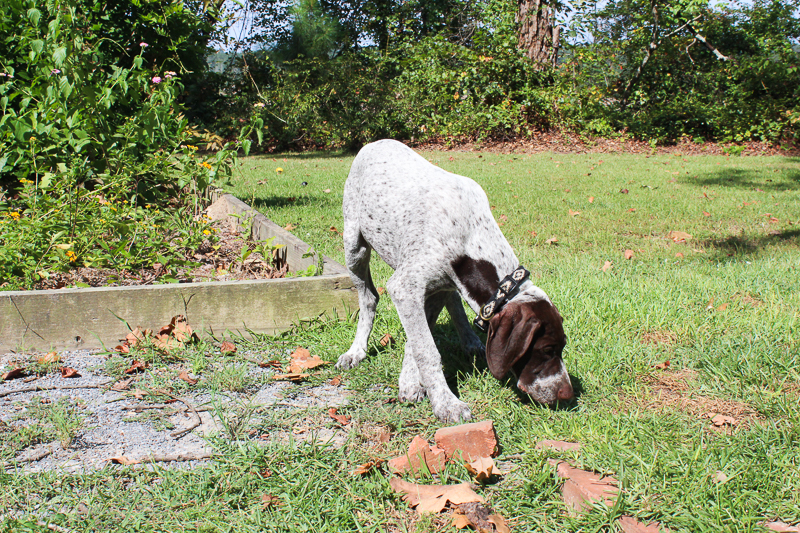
(227, 348)
(385, 437)
(136, 366)
(296, 377)
(628, 254)
(123, 348)
(781, 527)
(483, 469)
(662, 366)
(632, 210)
(433, 498)
(722, 307)
(706, 214)
(551, 240)
(335, 381)
(452, 158)
(290, 227)
(381, 290)
(327, 191)
(533, 233)
(722, 420)
(679, 255)
(122, 460)
(185, 377)
(573, 213)
(557, 445)
(342, 419)
(419, 453)
(460, 521)
(269, 501)
(624, 191)
(270, 364)
(386, 340)
(122, 385)
(49, 357)
(366, 468)
(67, 372)
(504, 218)
(13, 374)
(679, 236)
(301, 360)
(591, 199)
(499, 523)
(710, 305)
(720, 477)
(608, 265)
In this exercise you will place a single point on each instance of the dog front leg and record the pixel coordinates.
(409, 299)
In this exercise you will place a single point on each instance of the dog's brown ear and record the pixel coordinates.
(510, 335)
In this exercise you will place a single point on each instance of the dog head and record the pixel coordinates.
(528, 336)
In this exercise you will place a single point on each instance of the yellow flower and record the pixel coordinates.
(14, 215)
(206, 232)
(456, 96)
(279, 170)
(206, 165)
(72, 255)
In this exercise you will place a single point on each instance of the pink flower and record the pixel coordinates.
(156, 79)
(169, 74)
(55, 71)
(143, 44)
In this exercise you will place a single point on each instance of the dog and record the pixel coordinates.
(436, 230)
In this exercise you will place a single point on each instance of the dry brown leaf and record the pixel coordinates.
(185, 377)
(268, 501)
(722, 307)
(270, 364)
(720, 477)
(662, 366)
(679, 236)
(292, 376)
(136, 366)
(433, 498)
(367, 467)
(551, 240)
(679, 255)
(386, 340)
(573, 213)
(14, 373)
(342, 419)
(628, 254)
(461, 521)
(591, 199)
(706, 214)
(290, 226)
(49, 357)
(722, 420)
(335, 381)
(120, 386)
(227, 348)
(67, 372)
(624, 191)
(123, 348)
(499, 523)
(122, 460)
(608, 265)
(381, 290)
(301, 359)
(483, 469)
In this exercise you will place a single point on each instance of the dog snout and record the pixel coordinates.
(551, 388)
(565, 392)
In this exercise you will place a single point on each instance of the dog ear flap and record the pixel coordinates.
(510, 335)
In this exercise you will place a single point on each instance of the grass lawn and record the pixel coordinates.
(722, 308)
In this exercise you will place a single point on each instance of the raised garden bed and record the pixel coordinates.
(45, 320)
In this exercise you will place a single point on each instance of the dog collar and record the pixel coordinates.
(507, 289)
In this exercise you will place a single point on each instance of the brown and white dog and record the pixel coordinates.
(436, 230)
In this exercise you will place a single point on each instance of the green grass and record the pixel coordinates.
(740, 358)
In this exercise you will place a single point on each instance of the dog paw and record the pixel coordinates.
(411, 392)
(350, 359)
(453, 411)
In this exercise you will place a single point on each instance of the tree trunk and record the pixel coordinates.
(538, 35)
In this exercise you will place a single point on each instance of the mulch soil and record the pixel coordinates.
(219, 261)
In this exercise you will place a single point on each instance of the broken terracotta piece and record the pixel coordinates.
(468, 441)
(419, 453)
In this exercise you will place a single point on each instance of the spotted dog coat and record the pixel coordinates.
(436, 230)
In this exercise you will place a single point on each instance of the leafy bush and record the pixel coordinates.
(96, 168)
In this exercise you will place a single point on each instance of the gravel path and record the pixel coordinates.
(104, 433)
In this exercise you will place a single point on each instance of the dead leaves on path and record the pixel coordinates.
(173, 336)
(434, 498)
(300, 360)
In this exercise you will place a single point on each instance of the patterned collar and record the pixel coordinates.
(506, 290)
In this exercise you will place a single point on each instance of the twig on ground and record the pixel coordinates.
(140, 408)
(181, 433)
(176, 457)
(35, 388)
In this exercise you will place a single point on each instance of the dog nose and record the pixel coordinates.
(565, 392)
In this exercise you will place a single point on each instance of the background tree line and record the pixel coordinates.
(330, 72)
